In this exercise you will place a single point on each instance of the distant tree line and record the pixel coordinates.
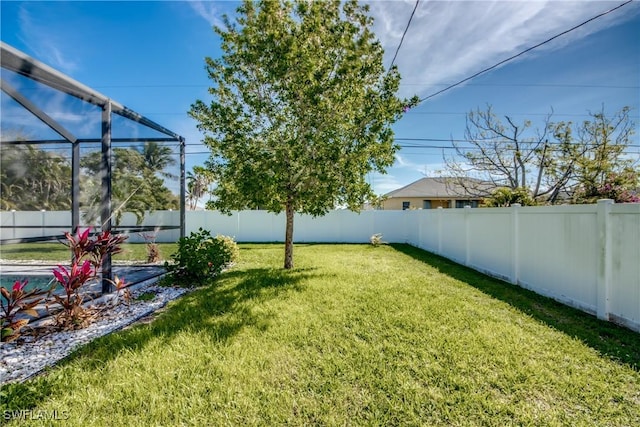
(33, 178)
(561, 162)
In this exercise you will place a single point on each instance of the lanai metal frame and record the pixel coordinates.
(16, 61)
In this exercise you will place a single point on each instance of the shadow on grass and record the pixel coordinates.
(617, 343)
(221, 310)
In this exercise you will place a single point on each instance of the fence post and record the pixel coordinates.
(42, 231)
(515, 250)
(467, 240)
(604, 258)
(13, 223)
(440, 230)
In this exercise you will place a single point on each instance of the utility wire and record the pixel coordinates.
(525, 51)
(404, 34)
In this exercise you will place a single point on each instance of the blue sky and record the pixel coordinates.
(149, 56)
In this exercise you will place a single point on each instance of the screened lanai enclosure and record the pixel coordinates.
(72, 158)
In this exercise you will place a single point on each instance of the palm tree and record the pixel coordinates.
(157, 158)
(197, 183)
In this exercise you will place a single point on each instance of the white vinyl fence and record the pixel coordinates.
(26, 224)
(586, 256)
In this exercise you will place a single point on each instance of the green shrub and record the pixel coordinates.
(505, 197)
(200, 257)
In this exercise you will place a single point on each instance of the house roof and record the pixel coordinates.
(442, 187)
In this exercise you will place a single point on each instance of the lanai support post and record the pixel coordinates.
(105, 208)
(75, 187)
(183, 189)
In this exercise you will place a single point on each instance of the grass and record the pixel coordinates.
(146, 296)
(355, 335)
(58, 252)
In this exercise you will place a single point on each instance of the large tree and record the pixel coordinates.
(557, 162)
(33, 179)
(137, 186)
(301, 110)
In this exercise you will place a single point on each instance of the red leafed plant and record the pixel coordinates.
(16, 302)
(88, 254)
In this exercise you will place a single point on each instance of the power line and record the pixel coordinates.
(453, 113)
(525, 51)
(506, 141)
(204, 86)
(475, 141)
(404, 34)
(560, 85)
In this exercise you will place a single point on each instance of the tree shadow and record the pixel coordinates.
(613, 341)
(220, 310)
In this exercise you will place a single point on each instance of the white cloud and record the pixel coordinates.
(44, 43)
(451, 40)
(404, 163)
(383, 184)
(208, 11)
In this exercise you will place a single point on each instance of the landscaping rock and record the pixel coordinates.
(30, 355)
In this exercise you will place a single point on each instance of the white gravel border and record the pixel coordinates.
(24, 360)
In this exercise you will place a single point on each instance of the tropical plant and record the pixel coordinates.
(18, 303)
(157, 158)
(87, 256)
(302, 109)
(197, 185)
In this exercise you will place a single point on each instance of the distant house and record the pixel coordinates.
(433, 193)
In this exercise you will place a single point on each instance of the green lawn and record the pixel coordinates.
(58, 252)
(355, 335)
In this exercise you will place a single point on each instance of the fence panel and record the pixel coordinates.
(454, 238)
(559, 253)
(215, 222)
(259, 226)
(391, 224)
(625, 264)
(33, 221)
(429, 230)
(491, 241)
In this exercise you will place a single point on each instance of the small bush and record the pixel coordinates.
(200, 257)
(376, 239)
(153, 250)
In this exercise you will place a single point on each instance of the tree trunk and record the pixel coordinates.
(541, 170)
(288, 240)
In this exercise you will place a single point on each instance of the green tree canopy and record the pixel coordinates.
(33, 179)
(302, 109)
(504, 197)
(136, 184)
